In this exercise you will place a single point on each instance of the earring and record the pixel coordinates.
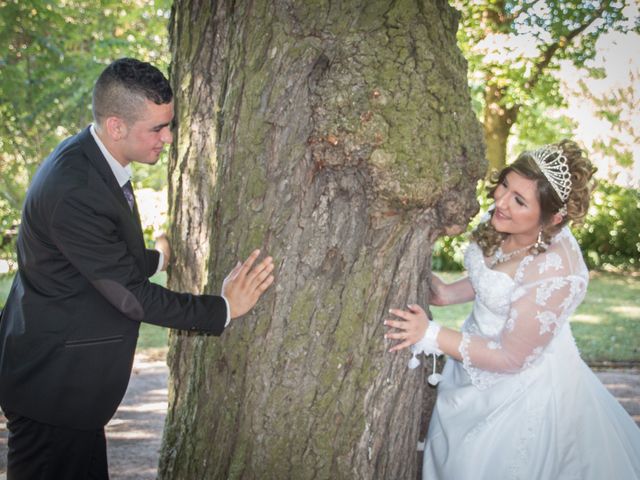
(540, 244)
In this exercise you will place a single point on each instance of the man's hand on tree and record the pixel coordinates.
(244, 285)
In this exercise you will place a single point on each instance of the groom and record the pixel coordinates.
(69, 328)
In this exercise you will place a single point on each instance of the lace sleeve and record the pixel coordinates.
(550, 287)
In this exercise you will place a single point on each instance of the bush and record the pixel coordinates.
(609, 236)
(9, 221)
(448, 253)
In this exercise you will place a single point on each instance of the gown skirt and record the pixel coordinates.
(554, 420)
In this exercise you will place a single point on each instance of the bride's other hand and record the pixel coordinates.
(442, 294)
(409, 329)
(437, 289)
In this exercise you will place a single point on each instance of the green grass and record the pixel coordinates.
(606, 325)
(153, 336)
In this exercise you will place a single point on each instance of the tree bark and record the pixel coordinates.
(497, 124)
(339, 138)
(497, 119)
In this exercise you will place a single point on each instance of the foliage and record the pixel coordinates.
(5, 286)
(537, 127)
(448, 253)
(514, 48)
(609, 237)
(611, 233)
(50, 55)
(618, 107)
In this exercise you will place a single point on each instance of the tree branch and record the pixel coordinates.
(563, 42)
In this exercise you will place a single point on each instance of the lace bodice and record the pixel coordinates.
(514, 319)
(493, 294)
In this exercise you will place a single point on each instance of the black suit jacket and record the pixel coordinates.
(70, 324)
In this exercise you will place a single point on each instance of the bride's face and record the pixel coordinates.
(517, 209)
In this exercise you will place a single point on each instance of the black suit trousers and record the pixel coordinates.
(46, 452)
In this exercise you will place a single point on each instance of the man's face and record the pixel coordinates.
(144, 139)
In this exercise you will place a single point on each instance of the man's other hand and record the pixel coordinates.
(244, 285)
(162, 244)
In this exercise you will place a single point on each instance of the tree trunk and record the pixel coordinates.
(497, 123)
(339, 138)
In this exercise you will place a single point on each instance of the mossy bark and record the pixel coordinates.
(339, 138)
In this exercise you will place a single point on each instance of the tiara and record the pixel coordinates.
(553, 165)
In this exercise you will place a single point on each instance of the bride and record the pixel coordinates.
(515, 400)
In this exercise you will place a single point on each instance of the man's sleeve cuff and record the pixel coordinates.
(160, 262)
(226, 302)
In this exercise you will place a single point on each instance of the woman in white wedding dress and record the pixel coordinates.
(515, 400)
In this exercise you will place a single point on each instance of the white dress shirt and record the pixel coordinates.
(123, 175)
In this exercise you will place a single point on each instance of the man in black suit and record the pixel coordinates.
(70, 325)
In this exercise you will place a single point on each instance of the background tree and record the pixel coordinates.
(618, 107)
(50, 56)
(339, 137)
(514, 49)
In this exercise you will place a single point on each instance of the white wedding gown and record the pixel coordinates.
(522, 404)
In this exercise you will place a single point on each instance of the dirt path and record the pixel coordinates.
(135, 433)
(624, 384)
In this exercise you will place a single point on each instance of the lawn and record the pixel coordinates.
(606, 325)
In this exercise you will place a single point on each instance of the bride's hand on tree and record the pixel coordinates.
(409, 329)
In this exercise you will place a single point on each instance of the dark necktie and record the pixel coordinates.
(127, 189)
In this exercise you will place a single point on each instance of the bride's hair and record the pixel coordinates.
(577, 204)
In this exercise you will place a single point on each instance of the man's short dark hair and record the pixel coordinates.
(123, 87)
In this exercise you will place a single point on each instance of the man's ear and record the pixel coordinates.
(115, 128)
